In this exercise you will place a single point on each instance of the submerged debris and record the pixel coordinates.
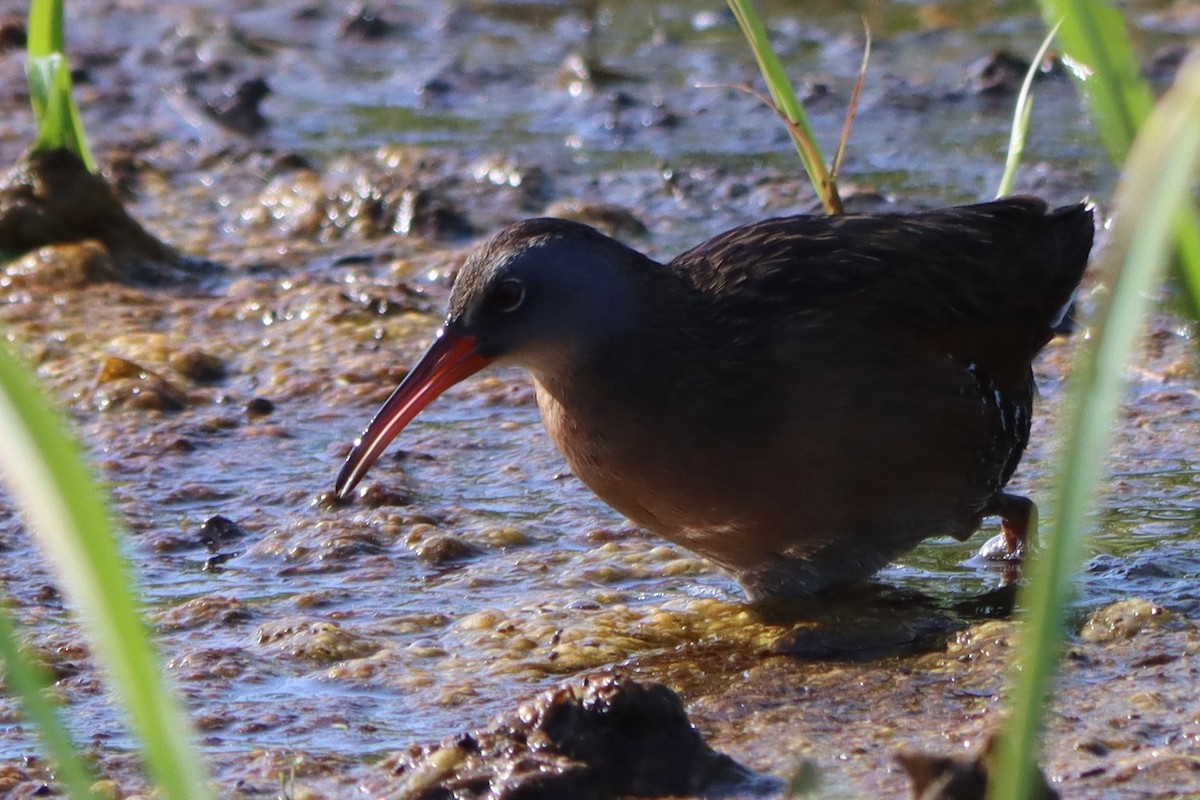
(1001, 73)
(601, 737)
(615, 220)
(238, 108)
(959, 778)
(365, 23)
(198, 366)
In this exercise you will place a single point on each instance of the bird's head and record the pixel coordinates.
(541, 294)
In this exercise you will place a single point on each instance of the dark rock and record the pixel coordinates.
(1164, 63)
(218, 531)
(198, 366)
(603, 737)
(429, 215)
(959, 778)
(1002, 73)
(50, 198)
(239, 109)
(259, 407)
(12, 34)
(365, 23)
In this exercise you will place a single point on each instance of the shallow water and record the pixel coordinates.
(343, 634)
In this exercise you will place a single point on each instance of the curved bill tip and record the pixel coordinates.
(451, 358)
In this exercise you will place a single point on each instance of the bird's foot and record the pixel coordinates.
(998, 548)
(1018, 521)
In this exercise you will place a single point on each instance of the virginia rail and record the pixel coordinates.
(799, 400)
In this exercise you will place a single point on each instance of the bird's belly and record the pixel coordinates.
(803, 492)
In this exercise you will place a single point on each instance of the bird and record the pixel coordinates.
(800, 400)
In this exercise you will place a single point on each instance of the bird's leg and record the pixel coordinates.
(1018, 518)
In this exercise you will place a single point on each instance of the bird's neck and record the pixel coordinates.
(635, 380)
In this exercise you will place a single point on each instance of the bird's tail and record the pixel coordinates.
(1075, 229)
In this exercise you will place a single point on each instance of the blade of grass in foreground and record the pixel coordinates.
(1021, 114)
(1157, 180)
(49, 77)
(24, 678)
(43, 470)
(1096, 45)
(784, 97)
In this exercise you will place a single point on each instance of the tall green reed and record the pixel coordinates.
(43, 469)
(27, 678)
(49, 76)
(1152, 206)
(1022, 113)
(785, 102)
(1097, 46)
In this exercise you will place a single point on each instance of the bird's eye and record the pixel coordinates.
(507, 296)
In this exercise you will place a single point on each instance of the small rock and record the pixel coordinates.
(107, 789)
(315, 640)
(259, 407)
(239, 107)
(61, 266)
(377, 496)
(218, 531)
(1001, 72)
(1123, 620)
(429, 215)
(207, 611)
(197, 366)
(123, 384)
(443, 548)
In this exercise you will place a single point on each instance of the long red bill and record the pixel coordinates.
(450, 359)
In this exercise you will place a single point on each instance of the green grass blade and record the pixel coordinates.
(44, 472)
(1021, 114)
(852, 109)
(1096, 42)
(26, 679)
(1187, 239)
(59, 122)
(769, 64)
(42, 75)
(1157, 182)
(45, 34)
(784, 97)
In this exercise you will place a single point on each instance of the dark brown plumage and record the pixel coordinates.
(800, 400)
